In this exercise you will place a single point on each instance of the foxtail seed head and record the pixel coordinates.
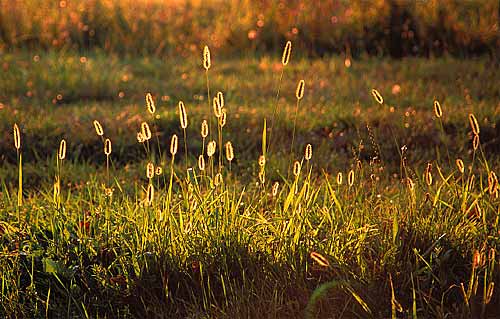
(296, 168)
(17, 137)
(150, 194)
(206, 58)
(299, 93)
(460, 165)
(229, 151)
(222, 118)
(218, 179)
(339, 178)
(276, 186)
(320, 259)
(262, 161)
(62, 150)
(309, 152)
(173, 144)
(150, 103)
(350, 178)
(204, 129)
(220, 99)
(140, 137)
(107, 147)
(377, 96)
(146, 132)
(475, 142)
(474, 124)
(492, 182)
(98, 128)
(211, 148)
(217, 107)
(183, 115)
(201, 162)
(159, 170)
(437, 109)
(150, 170)
(286, 53)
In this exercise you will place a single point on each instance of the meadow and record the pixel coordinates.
(392, 211)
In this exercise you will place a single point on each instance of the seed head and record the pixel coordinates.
(183, 115)
(140, 137)
(474, 124)
(211, 148)
(286, 53)
(276, 186)
(146, 132)
(62, 150)
(296, 168)
(299, 93)
(150, 194)
(201, 163)
(339, 178)
(107, 147)
(475, 142)
(437, 109)
(150, 103)
(350, 178)
(217, 107)
(460, 165)
(377, 96)
(173, 144)
(204, 129)
(98, 128)
(220, 99)
(262, 161)
(222, 118)
(150, 170)
(206, 58)
(229, 151)
(492, 183)
(218, 179)
(309, 152)
(159, 170)
(17, 137)
(320, 259)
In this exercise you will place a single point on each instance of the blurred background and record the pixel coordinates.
(153, 27)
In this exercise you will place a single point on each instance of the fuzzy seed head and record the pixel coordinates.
(299, 93)
(262, 161)
(492, 183)
(339, 178)
(62, 150)
(182, 115)
(474, 124)
(211, 148)
(140, 137)
(107, 147)
(201, 163)
(460, 165)
(146, 131)
(437, 109)
(206, 58)
(17, 137)
(204, 129)
(150, 103)
(158, 170)
(275, 188)
(150, 170)
(217, 107)
(286, 53)
(222, 118)
(229, 151)
(320, 259)
(428, 174)
(411, 184)
(220, 99)
(173, 144)
(377, 96)
(350, 178)
(475, 142)
(150, 194)
(309, 152)
(218, 179)
(296, 168)
(98, 128)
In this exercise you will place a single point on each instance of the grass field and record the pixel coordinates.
(382, 221)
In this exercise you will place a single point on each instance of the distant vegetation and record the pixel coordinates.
(387, 27)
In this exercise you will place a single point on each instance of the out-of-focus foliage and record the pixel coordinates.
(398, 28)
